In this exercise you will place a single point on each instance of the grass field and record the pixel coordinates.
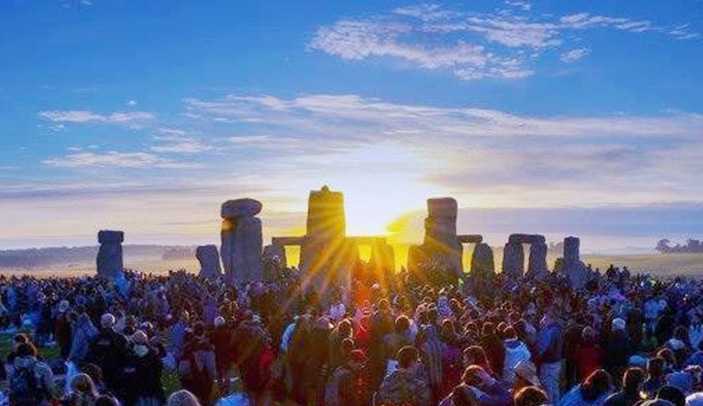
(656, 264)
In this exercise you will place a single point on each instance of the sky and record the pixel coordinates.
(541, 116)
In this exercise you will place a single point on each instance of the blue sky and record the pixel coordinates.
(145, 116)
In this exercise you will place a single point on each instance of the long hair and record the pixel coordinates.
(596, 385)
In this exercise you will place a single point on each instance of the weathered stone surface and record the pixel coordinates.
(110, 236)
(416, 257)
(109, 260)
(246, 207)
(442, 207)
(326, 218)
(482, 264)
(209, 260)
(441, 243)
(527, 239)
(537, 262)
(469, 238)
(571, 249)
(241, 249)
(575, 271)
(513, 260)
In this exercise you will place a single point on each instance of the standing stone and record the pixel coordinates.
(482, 265)
(109, 260)
(575, 271)
(416, 259)
(209, 260)
(537, 262)
(241, 241)
(513, 260)
(326, 255)
(441, 242)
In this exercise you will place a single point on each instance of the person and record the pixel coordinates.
(346, 384)
(490, 392)
(197, 368)
(530, 396)
(406, 385)
(108, 350)
(221, 338)
(655, 377)
(549, 354)
(82, 333)
(31, 382)
(182, 398)
(140, 377)
(461, 395)
(525, 375)
(431, 353)
(62, 328)
(589, 355)
(515, 352)
(672, 394)
(617, 349)
(592, 392)
(83, 392)
(630, 393)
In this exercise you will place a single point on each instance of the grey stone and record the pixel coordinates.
(513, 260)
(233, 209)
(571, 249)
(109, 260)
(241, 249)
(110, 236)
(537, 262)
(209, 260)
(470, 238)
(575, 271)
(527, 239)
(442, 207)
(482, 264)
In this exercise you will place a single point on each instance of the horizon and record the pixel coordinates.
(561, 119)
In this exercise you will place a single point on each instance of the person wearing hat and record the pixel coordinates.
(62, 328)
(108, 350)
(140, 377)
(617, 348)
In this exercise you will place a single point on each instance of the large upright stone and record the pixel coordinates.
(209, 260)
(241, 241)
(527, 239)
(109, 259)
(327, 257)
(513, 260)
(575, 271)
(441, 243)
(482, 264)
(537, 262)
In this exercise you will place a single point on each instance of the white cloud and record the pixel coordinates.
(114, 159)
(182, 146)
(85, 116)
(574, 55)
(468, 44)
(131, 103)
(521, 4)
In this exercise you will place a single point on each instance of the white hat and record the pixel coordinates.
(618, 324)
(219, 321)
(63, 306)
(107, 320)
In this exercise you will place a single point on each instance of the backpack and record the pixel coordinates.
(25, 388)
(333, 386)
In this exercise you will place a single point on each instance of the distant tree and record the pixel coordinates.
(663, 246)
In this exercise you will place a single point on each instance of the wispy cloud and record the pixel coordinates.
(86, 116)
(115, 159)
(574, 55)
(470, 45)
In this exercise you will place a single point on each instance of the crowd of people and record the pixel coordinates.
(622, 340)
